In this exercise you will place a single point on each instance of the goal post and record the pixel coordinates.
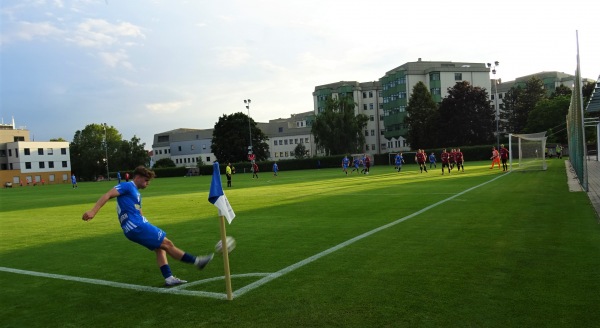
(527, 151)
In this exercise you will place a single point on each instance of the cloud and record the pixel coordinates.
(116, 59)
(167, 107)
(99, 33)
(29, 31)
(232, 56)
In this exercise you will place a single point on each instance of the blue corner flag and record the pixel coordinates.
(217, 197)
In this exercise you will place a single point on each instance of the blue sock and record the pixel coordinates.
(188, 258)
(166, 271)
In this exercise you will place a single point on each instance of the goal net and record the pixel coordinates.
(527, 151)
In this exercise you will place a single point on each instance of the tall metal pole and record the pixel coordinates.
(247, 102)
(493, 67)
(106, 151)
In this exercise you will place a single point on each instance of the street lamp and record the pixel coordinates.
(247, 102)
(106, 150)
(493, 67)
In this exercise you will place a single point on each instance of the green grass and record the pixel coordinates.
(517, 251)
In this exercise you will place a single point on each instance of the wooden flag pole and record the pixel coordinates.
(226, 259)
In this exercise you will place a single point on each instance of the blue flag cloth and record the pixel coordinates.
(217, 197)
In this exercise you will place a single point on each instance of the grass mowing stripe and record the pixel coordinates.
(317, 256)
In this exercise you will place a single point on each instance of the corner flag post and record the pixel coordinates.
(217, 197)
(226, 259)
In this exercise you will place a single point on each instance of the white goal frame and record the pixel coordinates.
(524, 146)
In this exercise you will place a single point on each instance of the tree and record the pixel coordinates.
(466, 117)
(89, 150)
(231, 139)
(561, 90)
(57, 139)
(422, 118)
(164, 162)
(300, 151)
(130, 154)
(509, 103)
(517, 112)
(549, 115)
(337, 130)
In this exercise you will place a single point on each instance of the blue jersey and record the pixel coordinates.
(345, 162)
(275, 167)
(432, 158)
(399, 160)
(129, 206)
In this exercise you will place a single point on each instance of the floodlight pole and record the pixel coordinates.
(247, 102)
(493, 67)
(106, 151)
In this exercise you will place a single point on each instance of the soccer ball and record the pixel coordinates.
(230, 245)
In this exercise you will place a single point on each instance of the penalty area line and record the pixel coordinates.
(315, 257)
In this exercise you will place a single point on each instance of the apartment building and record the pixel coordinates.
(24, 162)
(285, 134)
(368, 97)
(398, 83)
(186, 147)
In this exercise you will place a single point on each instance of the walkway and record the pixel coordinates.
(593, 169)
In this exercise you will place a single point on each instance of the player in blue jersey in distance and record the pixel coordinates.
(356, 164)
(137, 228)
(398, 161)
(345, 163)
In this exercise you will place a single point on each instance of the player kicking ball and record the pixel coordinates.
(137, 228)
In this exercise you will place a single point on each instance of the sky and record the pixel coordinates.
(146, 67)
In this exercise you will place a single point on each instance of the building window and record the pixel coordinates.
(40, 151)
(280, 142)
(50, 151)
(274, 142)
(371, 118)
(372, 132)
(295, 141)
(370, 94)
(366, 147)
(457, 76)
(10, 153)
(373, 147)
(51, 165)
(364, 106)
(28, 165)
(285, 142)
(434, 76)
(305, 140)
(280, 129)
(64, 164)
(26, 151)
(208, 159)
(42, 165)
(63, 151)
(366, 133)
(364, 95)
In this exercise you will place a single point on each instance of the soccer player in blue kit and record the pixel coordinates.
(137, 228)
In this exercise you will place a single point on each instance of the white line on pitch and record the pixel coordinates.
(315, 257)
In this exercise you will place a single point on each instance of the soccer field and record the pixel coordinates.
(315, 248)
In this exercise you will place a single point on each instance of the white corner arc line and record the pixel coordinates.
(117, 284)
(317, 256)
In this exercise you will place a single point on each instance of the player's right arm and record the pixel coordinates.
(105, 198)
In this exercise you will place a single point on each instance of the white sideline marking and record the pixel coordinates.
(315, 257)
(178, 290)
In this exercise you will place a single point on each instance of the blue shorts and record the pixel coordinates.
(146, 235)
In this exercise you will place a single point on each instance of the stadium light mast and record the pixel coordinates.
(247, 102)
(493, 67)
(106, 151)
